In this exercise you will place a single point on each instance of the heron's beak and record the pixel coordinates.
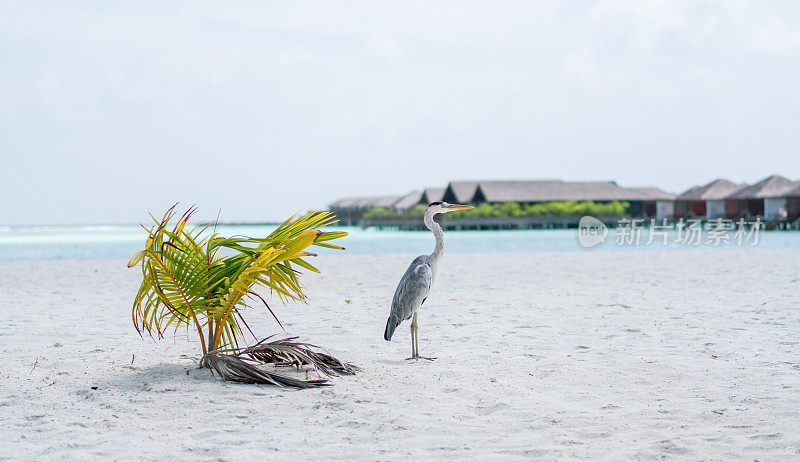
(458, 207)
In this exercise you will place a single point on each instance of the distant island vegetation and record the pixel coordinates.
(515, 209)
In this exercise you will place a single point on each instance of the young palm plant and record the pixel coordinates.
(197, 279)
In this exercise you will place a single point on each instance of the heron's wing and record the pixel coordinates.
(413, 289)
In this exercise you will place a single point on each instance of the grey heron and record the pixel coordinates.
(412, 291)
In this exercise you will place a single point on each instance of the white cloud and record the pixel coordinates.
(644, 23)
(493, 89)
(586, 69)
(776, 38)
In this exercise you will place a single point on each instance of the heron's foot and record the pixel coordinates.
(418, 357)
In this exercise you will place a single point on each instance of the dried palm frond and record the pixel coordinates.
(235, 369)
(287, 352)
(240, 364)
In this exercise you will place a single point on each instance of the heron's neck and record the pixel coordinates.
(438, 251)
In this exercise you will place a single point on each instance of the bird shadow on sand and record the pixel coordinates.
(391, 362)
(403, 362)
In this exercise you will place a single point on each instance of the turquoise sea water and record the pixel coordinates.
(109, 242)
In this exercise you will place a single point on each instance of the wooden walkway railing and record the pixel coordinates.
(416, 224)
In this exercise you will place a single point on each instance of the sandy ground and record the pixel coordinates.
(646, 355)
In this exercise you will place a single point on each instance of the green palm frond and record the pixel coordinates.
(196, 279)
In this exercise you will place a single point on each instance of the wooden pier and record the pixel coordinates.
(515, 223)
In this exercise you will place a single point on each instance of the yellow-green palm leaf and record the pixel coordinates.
(202, 281)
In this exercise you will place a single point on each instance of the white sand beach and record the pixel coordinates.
(646, 355)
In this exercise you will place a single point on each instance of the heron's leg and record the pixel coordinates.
(414, 340)
(414, 344)
(415, 330)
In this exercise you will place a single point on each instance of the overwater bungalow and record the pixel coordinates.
(409, 200)
(432, 194)
(649, 202)
(773, 199)
(350, 210)
(460, 192)
(793, 203)
(644, 202)
(767, 198)
(708, 201)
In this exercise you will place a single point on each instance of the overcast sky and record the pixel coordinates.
(109, 110)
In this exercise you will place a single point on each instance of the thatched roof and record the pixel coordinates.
(460, 192)
(365, 203)
(716, 190)
(409, 200)
(649, 193)
(771, 186)
(794, 192)
(431, 195)
(558, 190)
